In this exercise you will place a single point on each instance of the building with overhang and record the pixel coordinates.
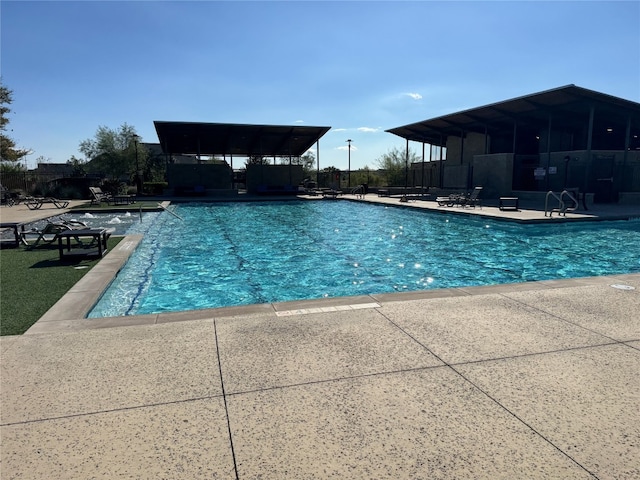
(566, 138)
(236, 142)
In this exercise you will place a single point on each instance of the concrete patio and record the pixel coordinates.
(535, 380)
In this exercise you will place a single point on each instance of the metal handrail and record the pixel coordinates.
(562, 206)
(572, 198)
(359, 190)
(546, 203)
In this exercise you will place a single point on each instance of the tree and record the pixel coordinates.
(115, 153)
(307, 161)
(395, 163)
(257, 160)
(78, 165)
(8, 150)
(329, 177)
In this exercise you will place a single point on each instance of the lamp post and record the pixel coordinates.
(349, 165)
(138, 178)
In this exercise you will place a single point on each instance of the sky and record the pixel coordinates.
(359, 67)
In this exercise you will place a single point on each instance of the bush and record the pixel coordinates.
(154, 188)
(114, 187)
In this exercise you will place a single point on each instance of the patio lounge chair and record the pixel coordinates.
(448, 201)
(98, 196)
(473, 199)
(35, 203)
(50, 232)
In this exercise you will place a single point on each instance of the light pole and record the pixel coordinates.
(138, 178)
(349, 165)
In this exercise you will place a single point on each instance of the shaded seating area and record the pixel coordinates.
(35, 203)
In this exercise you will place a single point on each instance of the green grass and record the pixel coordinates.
(33, 280)
(146, 206)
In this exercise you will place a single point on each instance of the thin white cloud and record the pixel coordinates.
(415, 96)
(338, 129)
(299, 121)
(368, 129)
(346, 147)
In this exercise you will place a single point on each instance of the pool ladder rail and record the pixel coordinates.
(562, 207)
(358, 191)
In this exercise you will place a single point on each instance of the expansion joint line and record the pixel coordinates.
(489, 396)
(224, 398)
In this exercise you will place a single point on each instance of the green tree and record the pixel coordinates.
(78, 165)
(257, 160)
(155, 166)
(395, 164)
(329, 177)
(115, 153)
(308, 160)
(8, 150)
(365, 176)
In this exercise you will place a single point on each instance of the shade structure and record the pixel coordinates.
(196, 138)
(569, 107)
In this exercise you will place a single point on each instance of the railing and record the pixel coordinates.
(562, 207)
(359, 191)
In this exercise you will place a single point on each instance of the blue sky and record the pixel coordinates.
(359, 67)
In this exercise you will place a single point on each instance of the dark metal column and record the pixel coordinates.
(587, 170)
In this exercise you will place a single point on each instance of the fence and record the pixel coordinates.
(46, 184)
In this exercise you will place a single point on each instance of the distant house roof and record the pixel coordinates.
(236, 139)
(568, 106)
(63, 169)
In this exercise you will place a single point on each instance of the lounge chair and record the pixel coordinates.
(50, 232)
(5, 196)
(35, 203)
(450, 200)
(473, 199)
(98, 196)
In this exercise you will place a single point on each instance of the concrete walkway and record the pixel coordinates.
(535, 380)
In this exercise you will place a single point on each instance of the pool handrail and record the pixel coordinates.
(172, 213)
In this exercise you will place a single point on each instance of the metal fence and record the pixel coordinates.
(35, 184)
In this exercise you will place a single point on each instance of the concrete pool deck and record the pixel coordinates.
(535, 380)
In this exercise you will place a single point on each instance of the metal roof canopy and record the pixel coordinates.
(568, 106)
(236, 139)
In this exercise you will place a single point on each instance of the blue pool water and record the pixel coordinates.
(228, 254)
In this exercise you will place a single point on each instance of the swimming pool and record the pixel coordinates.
(227, 254)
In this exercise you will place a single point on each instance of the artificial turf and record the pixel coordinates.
(32, 280)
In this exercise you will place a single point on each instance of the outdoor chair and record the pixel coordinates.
(471, 200)
(98, 196)
(49, 233)
(35, 203)
(450, 200)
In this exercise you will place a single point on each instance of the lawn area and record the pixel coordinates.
(104, 207)
(33, 280)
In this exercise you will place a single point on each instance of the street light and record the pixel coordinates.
(349, 171)
(138, 177)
